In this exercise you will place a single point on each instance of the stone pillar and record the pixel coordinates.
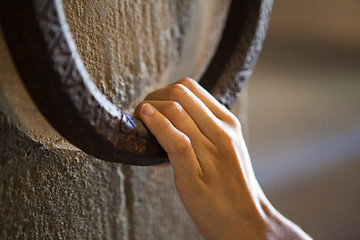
(49, 189)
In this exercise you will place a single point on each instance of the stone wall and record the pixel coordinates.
(49, 189)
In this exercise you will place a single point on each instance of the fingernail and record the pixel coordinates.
(147, 109)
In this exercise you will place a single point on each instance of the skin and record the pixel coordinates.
(211, 164)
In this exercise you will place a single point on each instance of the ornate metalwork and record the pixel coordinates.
(47, 60)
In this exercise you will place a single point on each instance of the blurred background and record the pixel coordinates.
(304, 115)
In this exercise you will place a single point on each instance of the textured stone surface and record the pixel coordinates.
(102, 30)
(48, 188)
(155, 211)
(48, 194)
(134, 46)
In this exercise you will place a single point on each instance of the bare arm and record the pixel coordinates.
(211, 164)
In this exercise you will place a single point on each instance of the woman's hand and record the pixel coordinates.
(211, 164)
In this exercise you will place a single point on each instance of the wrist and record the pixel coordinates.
(277, 226)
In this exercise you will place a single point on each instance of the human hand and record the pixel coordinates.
(211, 164)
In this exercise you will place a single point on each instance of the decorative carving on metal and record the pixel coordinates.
(46, 58)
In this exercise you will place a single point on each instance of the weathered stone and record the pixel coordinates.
(132, 47)
(56, 193)
(49, 189)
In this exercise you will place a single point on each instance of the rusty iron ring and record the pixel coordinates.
(46, 58)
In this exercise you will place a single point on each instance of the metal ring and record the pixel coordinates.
(46, 58)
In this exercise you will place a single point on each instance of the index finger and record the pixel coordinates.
(176, 144)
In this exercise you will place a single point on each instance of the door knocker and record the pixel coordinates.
(46, 58)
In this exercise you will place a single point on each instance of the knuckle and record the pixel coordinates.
(231, 120)
(183, 144)
(238, 125)
(188, 81)
(177, 90)
(174, 106)
(164, 126)
(234, 122)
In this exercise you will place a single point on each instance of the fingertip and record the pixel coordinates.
(147, 109)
